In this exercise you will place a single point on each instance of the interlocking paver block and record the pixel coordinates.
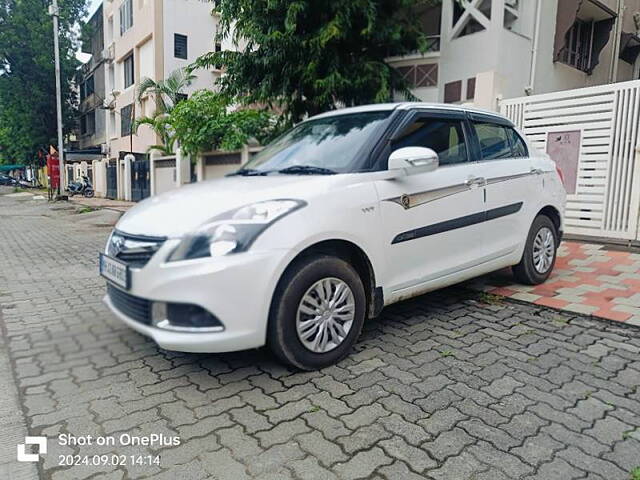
(443, 386)
(363, 438)
(363, 464)
(416, 458)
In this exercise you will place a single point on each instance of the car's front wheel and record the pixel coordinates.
(539, 255)
(317, 312)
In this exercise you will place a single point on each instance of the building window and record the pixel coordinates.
(86, 88)
(126, 120)
(180, 46)
(471, 88)
(126, 16)
(218, 47)
(91, 122)
(89, 87)
(88, 123)
(578, 46)
(129, 76)
(453, 92)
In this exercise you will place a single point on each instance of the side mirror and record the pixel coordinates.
(413, 160)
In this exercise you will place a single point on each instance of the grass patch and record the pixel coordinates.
(447, 353)
(490, 299)
(635, 474)
(19, 189)
(315, 408)
(85, 210)
(560, 320)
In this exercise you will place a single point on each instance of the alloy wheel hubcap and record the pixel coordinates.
(325, 315)
(543, 250)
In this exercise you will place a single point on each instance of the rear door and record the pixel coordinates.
(432, 222)
(512, 184)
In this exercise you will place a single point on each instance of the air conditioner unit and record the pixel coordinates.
(109, 53)
(104, 148)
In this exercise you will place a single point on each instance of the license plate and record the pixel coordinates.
(115, 271)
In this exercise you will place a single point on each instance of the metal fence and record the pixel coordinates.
(599, 127)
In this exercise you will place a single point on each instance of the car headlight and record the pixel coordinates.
(233, 231)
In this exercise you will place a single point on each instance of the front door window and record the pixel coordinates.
(444, 136)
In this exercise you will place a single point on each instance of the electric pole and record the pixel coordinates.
(54, 12)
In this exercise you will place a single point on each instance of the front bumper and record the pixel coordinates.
(237, 289)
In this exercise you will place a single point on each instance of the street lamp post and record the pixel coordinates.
(54, 12)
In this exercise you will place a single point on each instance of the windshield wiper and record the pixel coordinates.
(306, 170)
(247, 172)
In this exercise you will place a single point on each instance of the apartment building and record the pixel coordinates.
(483, 50)
(91, 88)
(150, 38)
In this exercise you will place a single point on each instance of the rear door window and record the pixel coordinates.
(518, 146)
(494, 141)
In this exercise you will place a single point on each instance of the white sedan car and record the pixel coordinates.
(348, 212)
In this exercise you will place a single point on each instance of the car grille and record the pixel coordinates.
(134, 250)
(136, 308)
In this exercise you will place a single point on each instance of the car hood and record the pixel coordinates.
(177, 212)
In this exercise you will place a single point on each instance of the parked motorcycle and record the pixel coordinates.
(83, 187)
(7, 180)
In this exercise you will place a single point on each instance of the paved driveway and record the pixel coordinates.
(452, 385)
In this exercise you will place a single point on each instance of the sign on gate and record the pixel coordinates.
(594, 135)
(564, 149)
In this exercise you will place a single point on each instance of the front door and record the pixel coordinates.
(432, 222)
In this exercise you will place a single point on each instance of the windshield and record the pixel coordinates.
(332, 144)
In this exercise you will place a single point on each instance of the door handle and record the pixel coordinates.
(478, 181)
(536, 171)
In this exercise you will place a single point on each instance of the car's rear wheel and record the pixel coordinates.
(539, 255)
(317, 312)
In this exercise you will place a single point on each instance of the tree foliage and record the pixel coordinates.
(308, 56)
(27, 81)
(205, 122)
(167, 94)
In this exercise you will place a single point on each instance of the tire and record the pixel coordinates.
(528, 271)
(88, 193)
(304, 280)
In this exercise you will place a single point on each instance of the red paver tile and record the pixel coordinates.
(551, 302)
(566, 279)
(505, 292)
(613, 315)
(603, 303)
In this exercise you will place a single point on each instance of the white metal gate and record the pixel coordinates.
(606, 202)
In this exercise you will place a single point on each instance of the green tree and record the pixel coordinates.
(206, 122)
(27, 82)
(308, 56)
(167, 94)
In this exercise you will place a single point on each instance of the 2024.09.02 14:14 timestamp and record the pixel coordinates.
(114, 460)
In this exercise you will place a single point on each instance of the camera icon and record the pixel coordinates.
(23, 456)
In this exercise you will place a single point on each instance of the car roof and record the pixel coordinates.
(382, 107)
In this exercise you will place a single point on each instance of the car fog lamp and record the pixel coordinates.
(158, 313)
